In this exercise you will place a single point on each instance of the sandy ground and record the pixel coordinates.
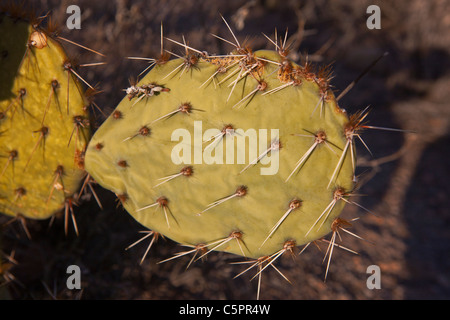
(404, 182)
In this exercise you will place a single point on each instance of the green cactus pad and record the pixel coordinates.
(44, 124)
(155, 152)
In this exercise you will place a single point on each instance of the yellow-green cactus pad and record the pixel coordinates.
(44, 126)
(247, 153)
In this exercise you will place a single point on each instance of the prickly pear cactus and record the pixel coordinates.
(247, 153)
(44, 125)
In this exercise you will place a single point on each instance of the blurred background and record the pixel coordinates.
(404, 182)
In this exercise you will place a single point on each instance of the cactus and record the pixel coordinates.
(44, 121)
(246, 153)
